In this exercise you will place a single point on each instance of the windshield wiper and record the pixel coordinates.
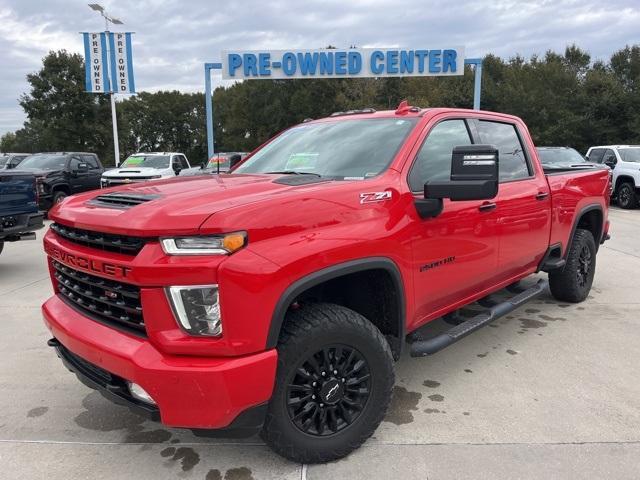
(293, 172)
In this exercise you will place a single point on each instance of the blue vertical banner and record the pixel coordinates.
(95, 60)
(121, 62)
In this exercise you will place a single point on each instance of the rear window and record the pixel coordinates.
(554, 156)
(595, 155)
(512, 161)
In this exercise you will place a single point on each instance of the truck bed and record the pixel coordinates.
(573, 187)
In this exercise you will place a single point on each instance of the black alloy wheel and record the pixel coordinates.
(584, 266)
(627, 197)
(329, 390)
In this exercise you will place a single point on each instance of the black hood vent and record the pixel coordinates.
(122, 200)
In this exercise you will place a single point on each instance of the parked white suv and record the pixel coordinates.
(141, 167)
(624, 160)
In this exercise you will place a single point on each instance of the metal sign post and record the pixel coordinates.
(109, 66)
(335, 63)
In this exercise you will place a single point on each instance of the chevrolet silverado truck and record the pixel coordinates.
(19, 214)
(60, 174)
(275, 298)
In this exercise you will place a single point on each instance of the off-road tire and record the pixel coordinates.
(573, 282)
(308, 330)
(58, 197)
(626, 196)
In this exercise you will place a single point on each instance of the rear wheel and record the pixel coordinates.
(573, 282)
(333, 385)
(627, 197)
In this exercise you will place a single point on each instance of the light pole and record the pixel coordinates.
(107, 18)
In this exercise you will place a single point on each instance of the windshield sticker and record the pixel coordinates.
(302, 162)
(373, 197)
(133, 161)
(353, 178)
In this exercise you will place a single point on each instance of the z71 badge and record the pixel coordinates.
(373, 197)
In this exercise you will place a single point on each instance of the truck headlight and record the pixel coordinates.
(197, 309)
(204, 245)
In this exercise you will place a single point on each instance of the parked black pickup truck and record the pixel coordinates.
(61, 174)
(19, 214)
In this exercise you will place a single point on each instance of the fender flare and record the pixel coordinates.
(320, 276)
(583, 211)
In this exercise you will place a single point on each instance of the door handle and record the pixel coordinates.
(487, 206)
(542, 195)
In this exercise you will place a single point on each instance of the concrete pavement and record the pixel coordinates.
(551, 391)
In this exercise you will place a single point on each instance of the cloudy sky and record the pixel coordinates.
(174, 37)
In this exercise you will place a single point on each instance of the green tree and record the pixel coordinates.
(61, 115)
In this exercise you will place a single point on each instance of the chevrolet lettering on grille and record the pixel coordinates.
(88, 264)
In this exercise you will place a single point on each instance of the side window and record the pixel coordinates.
(433, 161)
(183, 161)
(512, 161)
(91, 161)
(73, 163)
(596, 155)
(609, 156)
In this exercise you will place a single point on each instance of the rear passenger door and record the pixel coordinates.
(454, 254)
(523, 204)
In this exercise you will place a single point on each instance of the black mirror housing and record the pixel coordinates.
(83, 167)
(474, 175)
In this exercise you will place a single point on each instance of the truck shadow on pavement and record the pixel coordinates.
(532, 318)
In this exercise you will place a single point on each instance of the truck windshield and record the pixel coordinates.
(630, 154)
(148, 161)
(43, 162)
(551, 156)
(344, 149)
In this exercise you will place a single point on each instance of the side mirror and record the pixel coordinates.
(203, 165)
(234, 160)
(474, 176)
(82, 168)
(611, 163)
(177, 168)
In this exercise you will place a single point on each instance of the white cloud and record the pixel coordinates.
(175, 37)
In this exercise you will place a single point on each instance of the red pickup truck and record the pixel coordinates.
(276, 297)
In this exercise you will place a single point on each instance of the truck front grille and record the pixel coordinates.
(107, 301)
(102, 241)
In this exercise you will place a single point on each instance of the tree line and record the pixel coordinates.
(565, 99)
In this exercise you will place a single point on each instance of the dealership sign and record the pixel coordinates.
(108, 62)
(336, 63)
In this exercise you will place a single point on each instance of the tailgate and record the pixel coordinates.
(17, 193)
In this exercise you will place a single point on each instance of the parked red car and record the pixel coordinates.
(277, 297)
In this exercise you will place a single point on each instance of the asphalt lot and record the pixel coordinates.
(551, 391)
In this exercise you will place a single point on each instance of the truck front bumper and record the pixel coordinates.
(189, 392)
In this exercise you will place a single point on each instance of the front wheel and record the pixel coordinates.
(58, 197)
(333, 384)
(573, 282)
(627, 197)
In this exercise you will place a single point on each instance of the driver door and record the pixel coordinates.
(79, 180)
(455, 254)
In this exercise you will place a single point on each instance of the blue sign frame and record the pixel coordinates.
(476, 62)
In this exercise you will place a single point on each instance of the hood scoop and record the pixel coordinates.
(122, 200)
